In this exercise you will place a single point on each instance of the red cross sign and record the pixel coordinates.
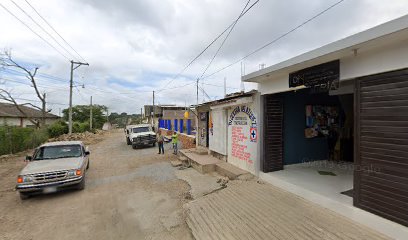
(253, 132)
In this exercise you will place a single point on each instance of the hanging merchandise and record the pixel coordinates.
(320, 120)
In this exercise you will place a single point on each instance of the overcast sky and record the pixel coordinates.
(134, 46)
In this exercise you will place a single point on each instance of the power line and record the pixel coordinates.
(28, 84)
(18, 73)
(201, 53)
(202, 89)
(22, 22)
(80, 94)
(228, 34)
(25, 99)
(32, 19)
(221, 45)
(214, 85)
(276, 39)
(54, 30)
(42, 75)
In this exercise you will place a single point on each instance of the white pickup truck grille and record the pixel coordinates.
(49, 176)
(144, 138)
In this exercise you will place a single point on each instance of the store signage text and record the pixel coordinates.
(321, 78)
(241, 120)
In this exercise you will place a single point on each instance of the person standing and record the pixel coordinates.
(174, 140)
(160, 142)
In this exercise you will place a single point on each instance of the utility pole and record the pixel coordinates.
(154, 111)
(44, 110)
(70, 93)
(196, 115)
(90, 116)
(141, 115)
(197, 90)
(225, 86)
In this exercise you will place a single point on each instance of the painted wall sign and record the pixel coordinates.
(321, 78)
(242, 135)
(239, 148)
(239, 120)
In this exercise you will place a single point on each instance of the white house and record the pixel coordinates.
(11, 116)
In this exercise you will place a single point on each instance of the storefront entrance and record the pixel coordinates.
(309, 136)
(302, 127)
(326, 145)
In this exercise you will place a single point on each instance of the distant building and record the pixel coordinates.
(165, 112)
(11, 116)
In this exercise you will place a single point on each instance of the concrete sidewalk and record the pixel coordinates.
(251, 210)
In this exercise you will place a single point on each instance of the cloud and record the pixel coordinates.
(135, 47)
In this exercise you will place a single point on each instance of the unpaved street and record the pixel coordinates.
(130, 194)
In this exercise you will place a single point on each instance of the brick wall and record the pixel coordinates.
(185, 141)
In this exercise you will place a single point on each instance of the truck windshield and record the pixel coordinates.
(54, 152)
(141, 129)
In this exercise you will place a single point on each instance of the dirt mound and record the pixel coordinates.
(86, 137)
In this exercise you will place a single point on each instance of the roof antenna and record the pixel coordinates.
(242, 86)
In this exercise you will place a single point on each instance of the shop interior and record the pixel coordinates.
(318, 142)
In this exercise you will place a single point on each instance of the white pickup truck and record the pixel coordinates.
(54, 166)
(140, 135)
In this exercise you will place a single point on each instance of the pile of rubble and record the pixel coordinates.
(86, 137)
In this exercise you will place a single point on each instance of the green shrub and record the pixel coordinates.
(84, 126)
(17, 139)
(78, 127)
(58, 128)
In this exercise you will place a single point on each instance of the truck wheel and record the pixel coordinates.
(134, 146)
(81, 185)
(87, 166)
(24, 196)
(128, 141)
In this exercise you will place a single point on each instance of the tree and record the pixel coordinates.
(113, 116)
(6, 61)
(81, 113)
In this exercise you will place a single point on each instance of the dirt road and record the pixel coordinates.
(130, 194)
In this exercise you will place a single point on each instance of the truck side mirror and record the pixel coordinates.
(28, 158)
(87, 153)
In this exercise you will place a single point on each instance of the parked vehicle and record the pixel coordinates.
(140, 135)
(54, 166)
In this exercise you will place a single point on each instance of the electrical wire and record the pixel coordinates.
(202, 52)
(25, 99)
(225, 39)
(38, 76)
(22, 22)
(29, 84)
(222, 44)
(276, 39)
(80, 94)
(54, 30)
(36, 23)
(214, 85)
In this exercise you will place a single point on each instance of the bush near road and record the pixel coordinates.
(17, 139)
